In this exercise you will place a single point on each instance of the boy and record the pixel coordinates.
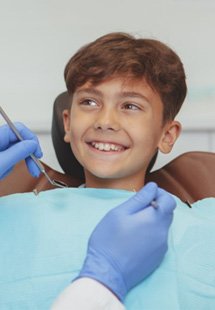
(125, 93)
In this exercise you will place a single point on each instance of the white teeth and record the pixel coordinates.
(106, 146)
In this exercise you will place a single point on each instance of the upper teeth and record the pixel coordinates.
(107, 146)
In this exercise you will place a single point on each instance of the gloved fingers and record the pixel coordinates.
(8, 137)
(5, 133)
(32, 167)
(27, 134)
(165, 201)
(15, 153)
(141, 199)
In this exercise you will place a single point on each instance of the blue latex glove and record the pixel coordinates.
(130, 241)
(12, 150)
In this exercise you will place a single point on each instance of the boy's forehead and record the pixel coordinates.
(122, 82)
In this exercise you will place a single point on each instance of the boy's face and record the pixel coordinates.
(114, 129)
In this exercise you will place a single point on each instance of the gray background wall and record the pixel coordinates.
(38, 37)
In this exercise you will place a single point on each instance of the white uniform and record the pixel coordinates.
(87, 294)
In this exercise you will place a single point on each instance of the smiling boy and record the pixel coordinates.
(125, 93)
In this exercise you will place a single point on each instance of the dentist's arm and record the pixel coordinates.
(87, 294)
(12, 150)
(126, 246)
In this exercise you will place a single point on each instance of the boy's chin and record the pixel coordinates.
(108, 179)
(102, 176)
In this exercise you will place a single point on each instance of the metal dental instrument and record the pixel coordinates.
(36, 160)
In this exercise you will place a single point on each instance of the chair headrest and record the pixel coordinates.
(63, 151)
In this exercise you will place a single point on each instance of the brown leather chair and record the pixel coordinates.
(190, 176)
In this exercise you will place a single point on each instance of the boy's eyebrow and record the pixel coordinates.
(90, 91)
(124, 94)
(133, 95)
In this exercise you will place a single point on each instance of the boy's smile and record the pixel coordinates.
(114, 129)
(107, 147)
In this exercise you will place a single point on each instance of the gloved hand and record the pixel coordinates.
(130, 241)
(12, 150)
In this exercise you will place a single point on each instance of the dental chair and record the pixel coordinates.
(190, 176)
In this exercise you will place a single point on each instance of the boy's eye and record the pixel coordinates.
(131, 106)
(88, 102)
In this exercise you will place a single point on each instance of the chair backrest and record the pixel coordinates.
(191, 176)
(20, 180)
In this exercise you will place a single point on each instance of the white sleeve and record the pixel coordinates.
(87, 294)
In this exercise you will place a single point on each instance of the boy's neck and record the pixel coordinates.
(129, 184)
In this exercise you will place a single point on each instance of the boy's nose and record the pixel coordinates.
(107, 120)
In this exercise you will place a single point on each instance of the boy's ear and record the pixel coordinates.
(170, 134)
(66, 123)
